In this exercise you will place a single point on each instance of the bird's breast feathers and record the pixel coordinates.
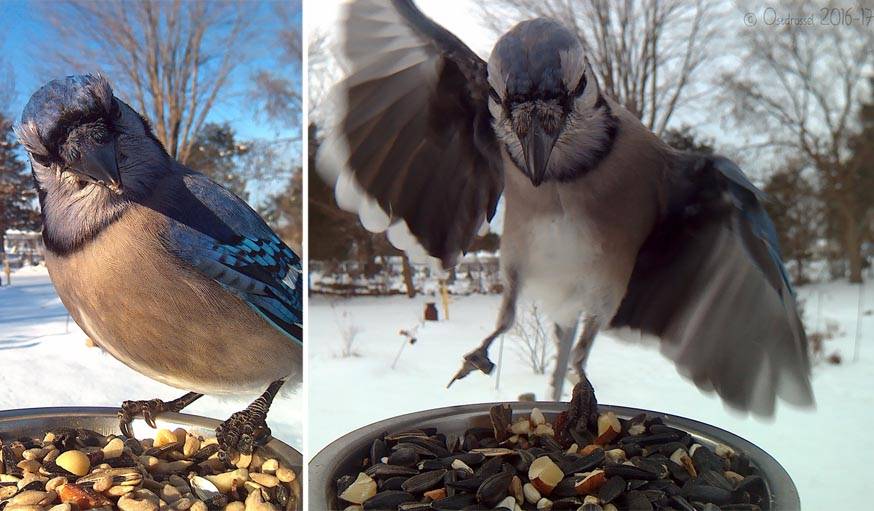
(563, 262)
(569, 245)
(164, 319)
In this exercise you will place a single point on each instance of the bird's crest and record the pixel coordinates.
(60, 103)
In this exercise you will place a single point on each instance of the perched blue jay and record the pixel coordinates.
(605, 224)
(164, 269)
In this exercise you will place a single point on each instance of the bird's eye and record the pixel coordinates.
(581, 86)
(41, 159)
(494, 95)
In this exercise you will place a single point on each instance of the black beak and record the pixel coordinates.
(537, 147)
(99, 163)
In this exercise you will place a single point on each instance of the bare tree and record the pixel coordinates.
(171, 59)
(324, 71)
(647, 54)
(533, 341)
(348, 329)
(803, 86)
(279, 89)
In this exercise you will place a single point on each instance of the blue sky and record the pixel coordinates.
(22, 23)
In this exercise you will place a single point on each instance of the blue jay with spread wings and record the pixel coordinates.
(166, 270)
(605, 224)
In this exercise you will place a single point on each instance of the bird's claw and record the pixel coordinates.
(477, 359)
(241, 433)
(583, 407)
(147, 409)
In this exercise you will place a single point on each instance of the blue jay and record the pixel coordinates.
(605, 224)
(164, 269)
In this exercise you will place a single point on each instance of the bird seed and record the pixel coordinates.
(577, 460)
(78, 469)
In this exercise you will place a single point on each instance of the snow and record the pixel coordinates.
(827, 451)
(44, 361)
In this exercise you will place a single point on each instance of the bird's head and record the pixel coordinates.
(92, 156)
(82, 139)
(545, 101)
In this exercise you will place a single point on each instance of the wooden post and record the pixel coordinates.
(444, 295)
(408, 276)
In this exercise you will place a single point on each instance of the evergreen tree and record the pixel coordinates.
(862, 164)
(284, 211)
(685, 139)
(18, 205)
(794, 206)
(217, 153)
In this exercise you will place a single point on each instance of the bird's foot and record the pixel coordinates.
(476, 359)
(242, 432)
(579, 423)
(247, 429)
(149, 409)
(584, 405)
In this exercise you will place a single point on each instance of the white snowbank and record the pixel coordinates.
(827, 451)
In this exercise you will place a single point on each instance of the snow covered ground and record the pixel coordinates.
(44, 361)
(827, 451)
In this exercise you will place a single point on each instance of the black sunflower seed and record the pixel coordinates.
(455, 502)
(637, 501)
(629, 472)
(386, 471)
(611, 489)
(706, 493)
(423, 482)
(392, 483)
(378, 451)
(403, 457)
(494, 489)
(388, 500)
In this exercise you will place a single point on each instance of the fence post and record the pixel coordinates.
(444, 295)
(7, 269)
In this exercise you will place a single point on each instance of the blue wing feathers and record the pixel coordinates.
(748, 199)
(224, 239)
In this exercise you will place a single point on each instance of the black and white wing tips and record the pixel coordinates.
(412, 148)
(710, 284)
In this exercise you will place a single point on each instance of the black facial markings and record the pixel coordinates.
(42, 159)
(581, 86)
(597, 156)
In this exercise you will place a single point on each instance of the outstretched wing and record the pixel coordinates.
(710, 283)
(223, 238)
(412, 148)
